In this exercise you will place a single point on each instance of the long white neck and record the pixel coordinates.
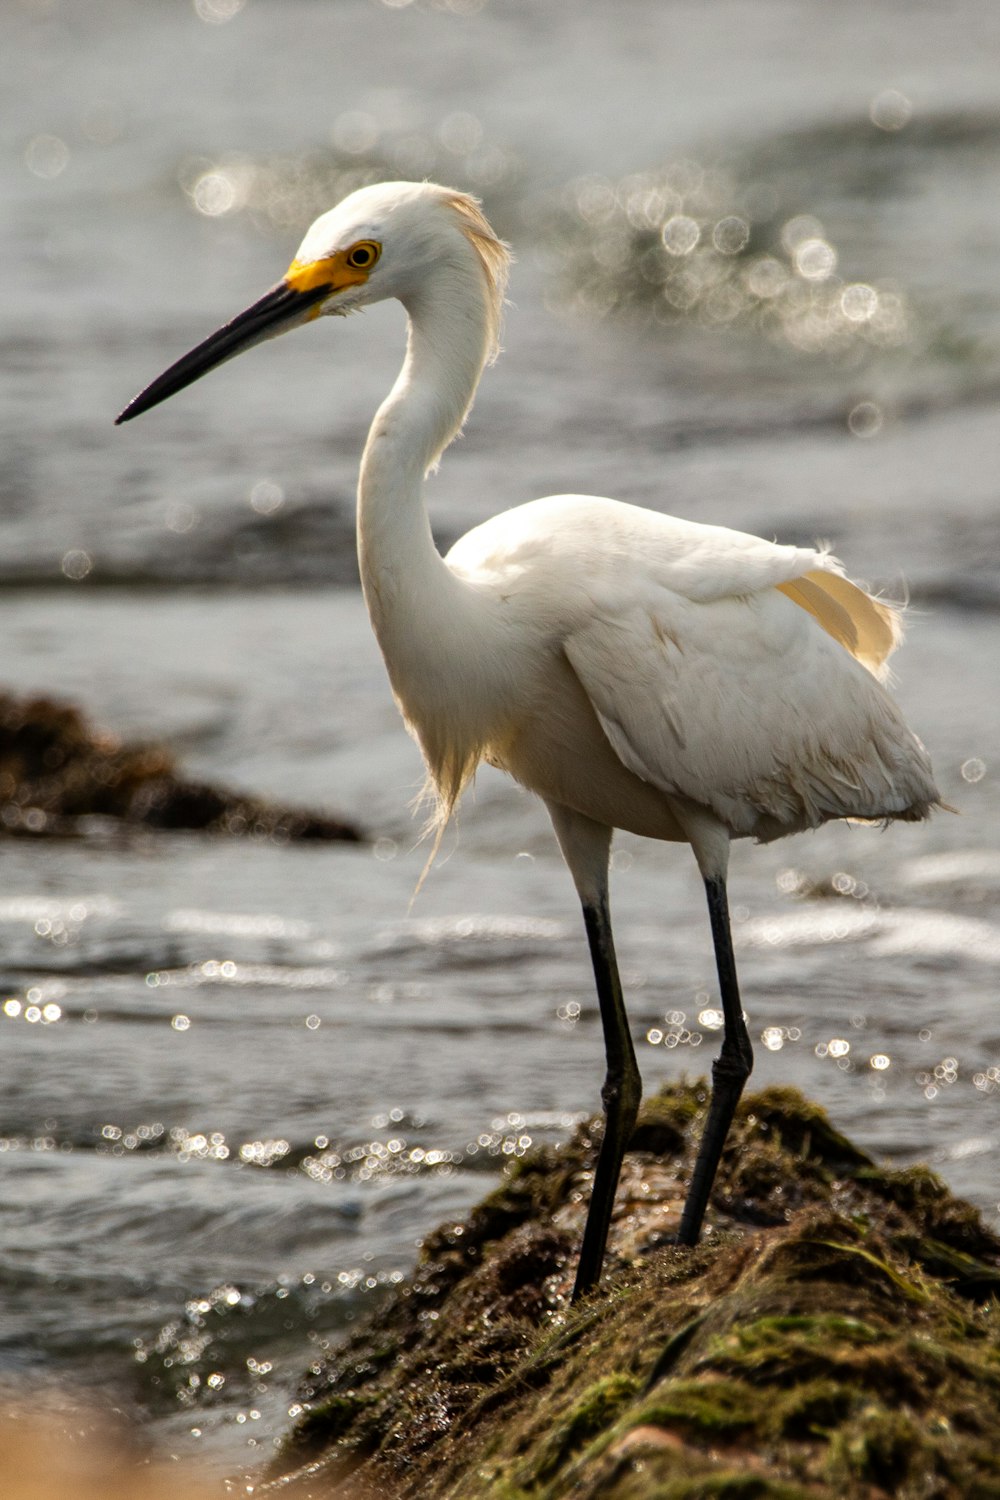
(422, 614)
(447, 347)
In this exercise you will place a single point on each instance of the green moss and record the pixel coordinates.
(793, 1348)
(802, 1128)
(847, 1348)
(704, 1409)
(810, 1326)
(886, 1447)
(665, 1120)
(813, 1409)
(595, 1411)
(330, 1422)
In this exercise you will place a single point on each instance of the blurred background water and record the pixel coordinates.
(755, 285)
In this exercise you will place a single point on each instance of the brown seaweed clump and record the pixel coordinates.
(836, 1334)
(58, 774)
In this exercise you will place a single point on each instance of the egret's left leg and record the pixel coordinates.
(620, 1095)
(586, 846)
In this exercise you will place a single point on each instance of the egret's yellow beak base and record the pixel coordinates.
(333, 271)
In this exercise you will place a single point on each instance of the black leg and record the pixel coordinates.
(621, 1094)
(730, 1071)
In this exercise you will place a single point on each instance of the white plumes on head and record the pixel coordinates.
(494, 256)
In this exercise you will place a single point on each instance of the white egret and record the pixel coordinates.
(682, 681)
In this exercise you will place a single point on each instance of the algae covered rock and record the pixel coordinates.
(59, 776)
(835, 1334)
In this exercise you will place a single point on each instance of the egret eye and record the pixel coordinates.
(363, 255)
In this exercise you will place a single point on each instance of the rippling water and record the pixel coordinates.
(755, 285)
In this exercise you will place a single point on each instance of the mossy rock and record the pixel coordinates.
(836, 1334)
(59, 775)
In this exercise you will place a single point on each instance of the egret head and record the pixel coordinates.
(381, 241)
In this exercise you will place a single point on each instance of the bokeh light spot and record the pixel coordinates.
(799, 229)
(217, 12)
(76, 564)
(181, 517)
(865, 419)
(266, 497)
(214, 194)
(890, 110)
(680, 234)
(815, 259)
(46, 156)
(859, 302)
(730, 235)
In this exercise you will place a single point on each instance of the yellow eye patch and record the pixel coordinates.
(347, 268)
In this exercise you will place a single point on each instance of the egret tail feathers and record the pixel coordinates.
(869, 628)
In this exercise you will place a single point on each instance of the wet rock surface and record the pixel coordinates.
(836, 1333)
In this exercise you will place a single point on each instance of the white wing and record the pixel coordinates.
(701, 653)
(566, 542)
(745, 707)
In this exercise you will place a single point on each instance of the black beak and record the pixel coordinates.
(278, 310)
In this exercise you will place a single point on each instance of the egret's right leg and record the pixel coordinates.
(730, 1070)
(586, 846)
